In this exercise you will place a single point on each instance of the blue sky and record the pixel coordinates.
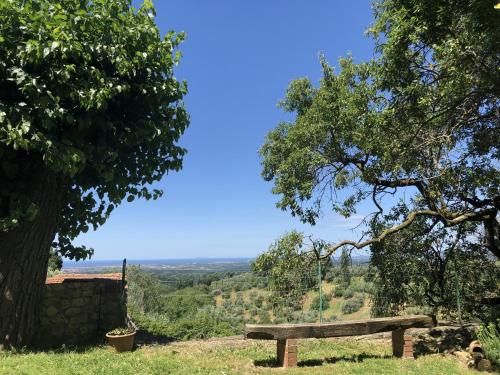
(239, 58)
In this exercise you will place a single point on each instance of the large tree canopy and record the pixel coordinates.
(422, 116)
(90, 115)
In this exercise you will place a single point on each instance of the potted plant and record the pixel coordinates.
(122, 339)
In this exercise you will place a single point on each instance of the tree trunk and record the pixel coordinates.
(24, 254)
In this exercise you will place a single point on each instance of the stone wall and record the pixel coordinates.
(80, 309)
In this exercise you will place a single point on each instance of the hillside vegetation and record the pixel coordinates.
(219, 304)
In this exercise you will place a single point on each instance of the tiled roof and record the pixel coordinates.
(65, 277)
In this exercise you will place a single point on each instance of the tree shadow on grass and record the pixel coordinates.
(271, 362)
(356, 358)
(142, 338)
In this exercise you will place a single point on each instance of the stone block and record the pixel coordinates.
(51, 311)
(484, 365)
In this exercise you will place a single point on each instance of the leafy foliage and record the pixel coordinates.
(352, 305)
(420, 117)
(145, 292)
(121, 331)
(325, 303)
(289, 266)
(55, 263)
(490, 339)
(87, 93)
(345, 266)
(435, 269)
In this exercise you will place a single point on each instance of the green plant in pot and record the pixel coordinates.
(121, 339)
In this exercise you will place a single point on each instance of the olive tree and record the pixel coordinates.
(90, 115)
(421, 119)
(442, 271)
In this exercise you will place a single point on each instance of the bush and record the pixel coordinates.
(348, 293)
(330, 276)
(490, 339)
(359, 285)
(203, 325)
(264, 317)
(316, 300)
(352, 305)
(185, 302)
(308, 317)
(259, 301)
(338, 291)
(145, 292)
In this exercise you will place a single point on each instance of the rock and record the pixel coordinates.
(484, 365)
(464, 357)
(444, 339)
(51, 311)
(475, 346)
(471, 364)
(476, 356)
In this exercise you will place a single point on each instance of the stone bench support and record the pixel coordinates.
(287, 353)
(286, 335)
(402, 345)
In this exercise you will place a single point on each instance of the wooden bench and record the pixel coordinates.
(287, 334)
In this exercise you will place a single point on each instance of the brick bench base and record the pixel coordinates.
(286, 354)
(402, 345)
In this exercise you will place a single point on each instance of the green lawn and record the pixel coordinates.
(229, 357)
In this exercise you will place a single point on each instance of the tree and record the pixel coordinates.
(440, 271)
(55, 262)
(145, 292)
(90, 115)
(345, 267)
(421, 120)
(291, 269)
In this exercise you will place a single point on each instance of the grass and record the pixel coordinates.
(226, 356)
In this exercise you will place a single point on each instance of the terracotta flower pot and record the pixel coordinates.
(121, 343)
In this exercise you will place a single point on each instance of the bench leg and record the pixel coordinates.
(287, 353)
(402, 345)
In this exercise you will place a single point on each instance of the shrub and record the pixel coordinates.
(316, 300)
(145, 292)
(203, 325)
(246, 286)
(352, 305)
(338, 291)
(490, 339)
(330, 276)
(216, 292)
(264, 317)
(348, 293)
(359, 284)
(308, 317)
(185, 302)
(259, 301)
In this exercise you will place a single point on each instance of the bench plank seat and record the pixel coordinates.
(287, 334)
(335, 329)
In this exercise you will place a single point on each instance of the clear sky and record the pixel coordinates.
(239, 58)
